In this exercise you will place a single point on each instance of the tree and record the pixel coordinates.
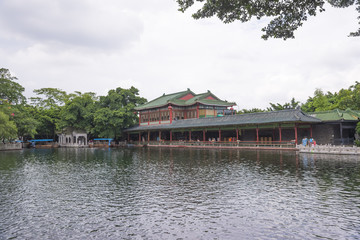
(320, 102)
(25, 121)
(54, 97)
(253, 110)
(116, 112)
(78, 112)
(291, 105)
(8, 129)
(9, 89)
(287, 16)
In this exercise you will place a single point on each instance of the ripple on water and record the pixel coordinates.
(177, 193)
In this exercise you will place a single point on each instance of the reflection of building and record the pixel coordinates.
(337, 126)
(182, 105)
(71, 137)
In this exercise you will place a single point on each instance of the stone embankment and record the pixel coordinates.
(330, 149)
(10, 146)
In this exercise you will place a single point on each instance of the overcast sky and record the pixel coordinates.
(95, 46)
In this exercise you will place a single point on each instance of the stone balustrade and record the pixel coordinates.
(329, 149)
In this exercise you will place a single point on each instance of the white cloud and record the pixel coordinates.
(81, 24)
(97, 46)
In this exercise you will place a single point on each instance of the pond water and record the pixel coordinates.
(143, 193)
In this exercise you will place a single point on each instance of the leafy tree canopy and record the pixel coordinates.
(9, 89)
(8, 130)
(116, 111)
(287, 16)
(291, 105)
(78, 112)
(52, 97)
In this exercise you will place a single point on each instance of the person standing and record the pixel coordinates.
(311, 141)
(304, 141)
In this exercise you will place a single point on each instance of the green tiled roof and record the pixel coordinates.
(284, 116)
(337, 115)
(174, 99)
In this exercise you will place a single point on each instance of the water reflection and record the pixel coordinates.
(178, 193)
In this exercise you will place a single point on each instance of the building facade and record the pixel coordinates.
(182, 105)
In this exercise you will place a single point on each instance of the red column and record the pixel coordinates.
(257, 134)
(237, 134)
(170, 113)
(148, 135)
(139, 118)
(219, 135)
(148, 117)
(197, 111)
(128, 137)
(204, 136)
(170, 135)
(159, 135)
(296, 134)
(139, 137)
(280, 133)
(159, 116)
(311, 131)
(189, 135)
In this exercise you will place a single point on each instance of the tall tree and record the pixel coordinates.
(8, 130)
(52, 97)
(79, 112)
(116, 111)
(9, 89)
(291, 105)
(320, 102)
(287, 16)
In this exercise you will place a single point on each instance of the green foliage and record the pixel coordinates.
(287, 16)
(8, 130)
(78, 112)
(116, 112)
(9, 89)
(25, 121)
(253, 110)
(344, 99)
(53, 97)
(291, 105)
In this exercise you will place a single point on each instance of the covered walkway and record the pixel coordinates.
(278, 128)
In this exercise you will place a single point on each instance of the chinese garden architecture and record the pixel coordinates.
(181, 105)
(185, 117)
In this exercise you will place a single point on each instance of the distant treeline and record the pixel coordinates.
(343, 99)
(53, 109)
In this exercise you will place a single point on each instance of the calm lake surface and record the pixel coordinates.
(178, 194)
